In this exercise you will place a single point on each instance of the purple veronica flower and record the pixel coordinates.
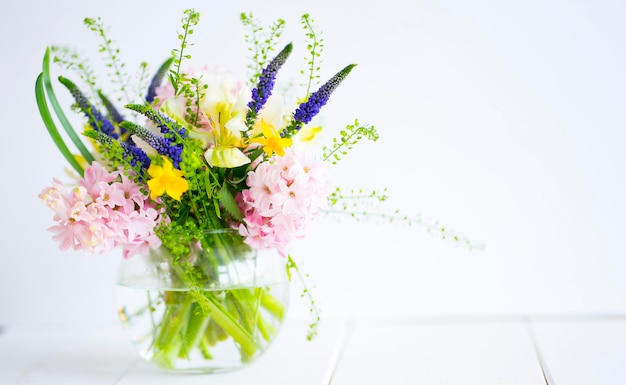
(96, 120)
(156, 79)
(115, 115)
(113, 112)
(263, 90)
(307, 110)
(167, 145)
(167, 126)
(132, 153)
(163, 146)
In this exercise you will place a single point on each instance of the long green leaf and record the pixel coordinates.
(59, 111)
(52, 129)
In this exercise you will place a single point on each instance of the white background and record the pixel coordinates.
(504, 120)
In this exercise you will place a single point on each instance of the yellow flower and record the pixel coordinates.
(271, 140)
(166, 179)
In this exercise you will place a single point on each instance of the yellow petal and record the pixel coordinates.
(156, 189)
(177, 187)
(166, 179)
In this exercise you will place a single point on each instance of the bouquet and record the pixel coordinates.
(190, 180)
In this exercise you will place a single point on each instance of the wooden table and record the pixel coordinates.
(507, 350)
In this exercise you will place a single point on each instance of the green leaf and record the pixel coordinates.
(52, 129)
(216, 206)
(59, 112)
(227, 200)
(183, 213)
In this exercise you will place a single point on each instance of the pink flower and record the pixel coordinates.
(263, 183)
(57, 198)
(133, 197)
(95, 174)
(162, 93)
(106, 210)
(284, 194)
(111, 195)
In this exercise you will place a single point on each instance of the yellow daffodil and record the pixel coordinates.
(166, 179)
(268, 125)
(271, 140)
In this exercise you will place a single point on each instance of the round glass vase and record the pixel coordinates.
(216, 308)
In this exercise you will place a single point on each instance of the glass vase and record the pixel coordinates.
(211, 304)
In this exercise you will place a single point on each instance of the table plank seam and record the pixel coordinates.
(542, 362)
(338, 352)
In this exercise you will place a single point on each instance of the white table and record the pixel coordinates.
(570, 350)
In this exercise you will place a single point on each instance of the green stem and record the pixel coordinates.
(271, 304)
(193, 331)
(221, 316)
(151, 310)
(261, 324)
(170, 340)
(205, 344)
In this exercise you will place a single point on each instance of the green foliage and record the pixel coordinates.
(177, 237)
(228, 202)
(261, 41)
(47, 117)
(194, 93)
(111, 58)
(142, 79)
(189, 87)
(52, 129)
(314, 46)
(148, 111)
(313, 309)
(112, 151)
(70, 60)
(356, 198)
(189, 21)
(367, 206)
(347, 139)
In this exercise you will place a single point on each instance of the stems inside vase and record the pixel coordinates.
(215, 304)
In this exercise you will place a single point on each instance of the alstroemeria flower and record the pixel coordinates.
(224, 101)
(224, 104)
(307, 135)
(226, 151)
(175, 107)
(166, 179)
